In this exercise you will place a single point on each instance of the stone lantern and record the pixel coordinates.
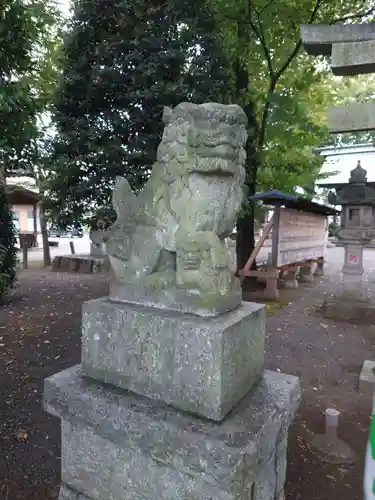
(357, 229)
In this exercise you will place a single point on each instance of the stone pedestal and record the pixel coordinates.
(353, 260)
(351, 303)
(201, 365)
(190, 412)
(120, 446)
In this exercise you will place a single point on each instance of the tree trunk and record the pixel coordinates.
(43, 229)
(245, 240)
(245, 224)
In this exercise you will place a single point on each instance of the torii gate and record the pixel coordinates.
(352, 48)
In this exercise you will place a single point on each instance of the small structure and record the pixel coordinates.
(298, 229)
(24, 203)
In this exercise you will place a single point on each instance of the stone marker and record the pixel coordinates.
(189, 412)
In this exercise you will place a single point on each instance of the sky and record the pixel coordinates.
(64, 6)
(340, 165)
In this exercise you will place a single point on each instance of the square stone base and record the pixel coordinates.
(120, 446)
(201, 365)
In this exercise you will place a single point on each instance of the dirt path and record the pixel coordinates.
(40, 335)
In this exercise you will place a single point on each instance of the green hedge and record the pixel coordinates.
(8, 251)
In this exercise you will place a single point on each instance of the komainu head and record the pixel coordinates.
(204, 138)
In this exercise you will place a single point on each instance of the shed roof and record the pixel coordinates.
(295, 202)
(21, 195)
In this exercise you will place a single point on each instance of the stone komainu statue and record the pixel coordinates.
(173, 232)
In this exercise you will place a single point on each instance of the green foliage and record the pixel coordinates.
(295, 127)
(333, 229)
(272, 80)
(283, 84)
(26, 30)
(8, 251)
(344, 91)
(139, 56)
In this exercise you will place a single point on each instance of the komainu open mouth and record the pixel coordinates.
(214, 173)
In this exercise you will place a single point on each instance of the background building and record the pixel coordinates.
(24, 198)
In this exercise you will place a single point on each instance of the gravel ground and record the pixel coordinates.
(40, 335)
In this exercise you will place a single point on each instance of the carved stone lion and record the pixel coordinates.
(173, 232)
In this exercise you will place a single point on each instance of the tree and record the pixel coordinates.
(24, 28)
(261, 40)
(27, 35)
(138, 57)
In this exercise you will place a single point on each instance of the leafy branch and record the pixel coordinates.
(275, 77)
(352, 17)
(259, 32)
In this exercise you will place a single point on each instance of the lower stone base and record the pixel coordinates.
(350, 307)
(67, 493)
(80, 264)
(120, 446)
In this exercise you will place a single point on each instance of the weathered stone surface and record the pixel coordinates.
(352, 118)
(356, 58)
(120, 446)
(177, 299)
(318, 38)
(366, 384)
(67, 493)
(353, 259)
(281, 462)
(201, 365)
(96, 251)
(172, 234)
